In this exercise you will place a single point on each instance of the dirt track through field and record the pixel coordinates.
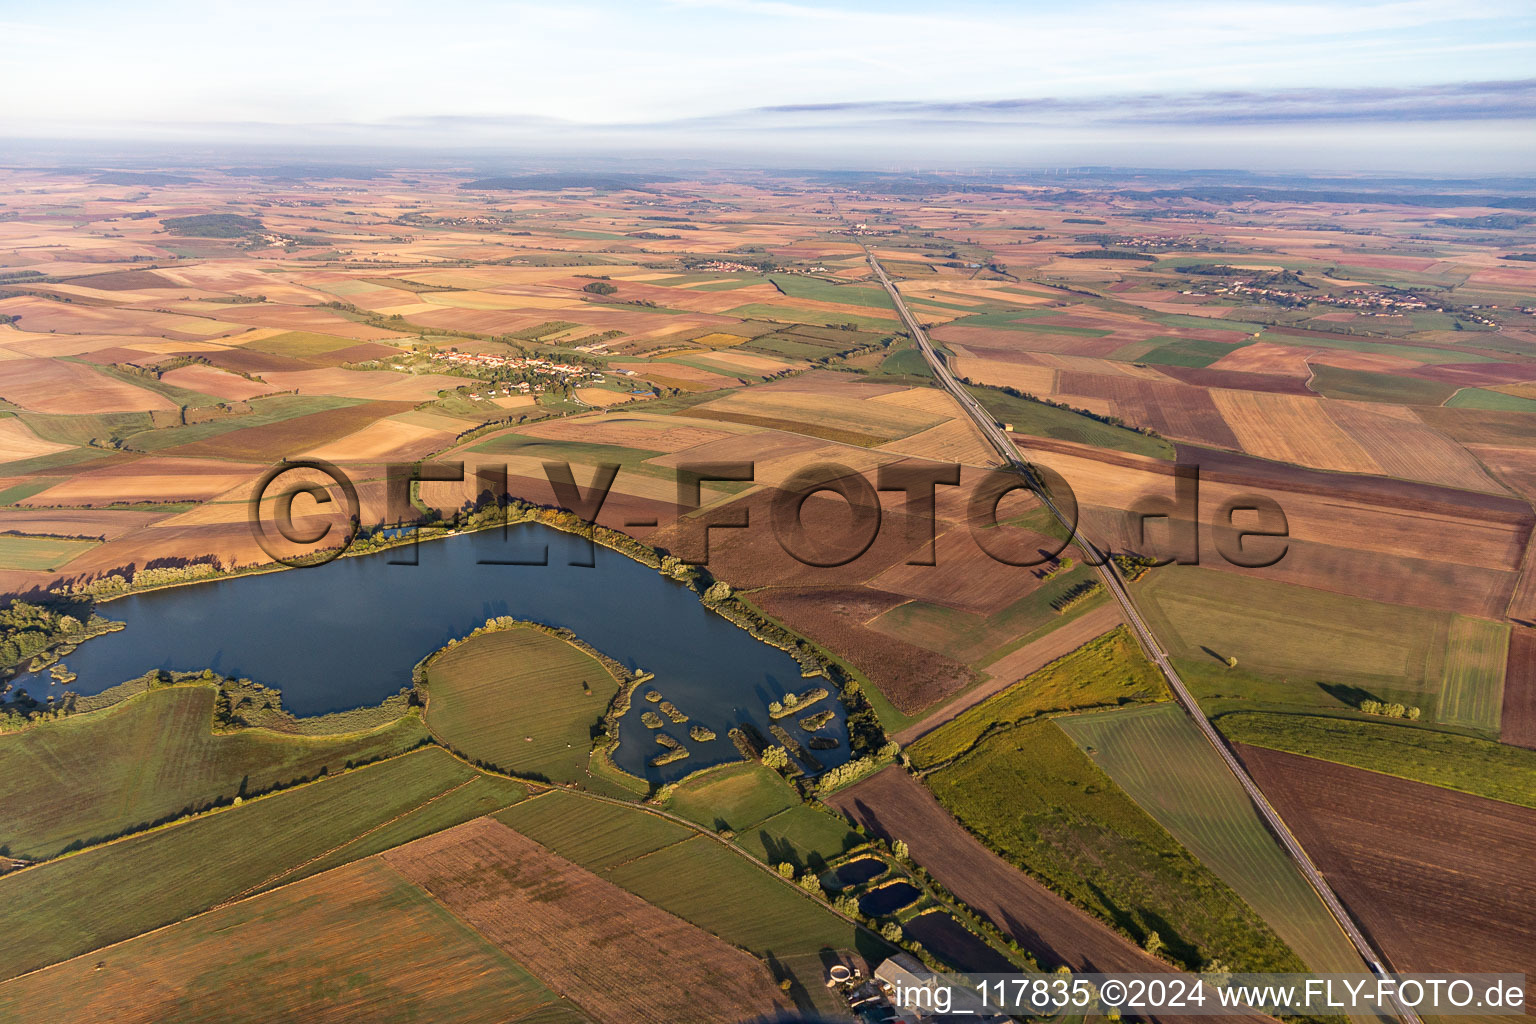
(1013, 667)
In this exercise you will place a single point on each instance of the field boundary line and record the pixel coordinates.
(220, 809)
(560, 997)
(252, 890)
(676, 819)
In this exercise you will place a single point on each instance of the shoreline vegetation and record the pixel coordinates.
(717, 595)
(869, 745)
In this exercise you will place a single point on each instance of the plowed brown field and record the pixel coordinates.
(617, 956)
(1440, 879)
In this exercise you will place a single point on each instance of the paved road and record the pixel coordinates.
(1116, 586)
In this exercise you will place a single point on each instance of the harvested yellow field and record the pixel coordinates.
(928, 400)
(383, 385)
(17, 442)
(516, 401)
(746, 362)
(1290, 428)
(826, 416)
(640, 430)
(1262, 357)
(1525, 389)
(1088, 364)
(603, 397)
(1404, 447)
(1037, 380)
(955, 441)
(386, 439)
(494, 300)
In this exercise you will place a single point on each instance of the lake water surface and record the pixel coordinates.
(347, 634)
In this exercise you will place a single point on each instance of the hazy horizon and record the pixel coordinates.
(1401, 86)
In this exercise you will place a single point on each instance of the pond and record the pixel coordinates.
(857, 872)
(888, 898)
(949, 940)
(347, 634)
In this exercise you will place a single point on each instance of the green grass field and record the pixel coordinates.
(1466, 763)
(799, 286)
(481, 795)
(1303, 636)
(22, 491)
(1498, 401)
(521, 700)
(814, 317)
(79, 903)
(734, 796)
(1158, 756)
(690, 875)
(1104, 672)
(701, 881)
(594, 834)
(906, 362)
(803, 836)
(1032, 796)
(1041, 420)
(92, 776)
(1365, 386)
(40, 553)
(1188, 352)
(1472, 692)
(81, 429)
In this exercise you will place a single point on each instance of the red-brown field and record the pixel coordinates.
(53, 386)
(551, 916)
(267, 444)
(1517, 723)
(1441, 879)
(911, 677)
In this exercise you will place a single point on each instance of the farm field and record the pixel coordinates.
(114, 892)
(90, 777)
(1359, 352)
(1163, 763)
(42, 553)
(1472, 692)
(378, 946)
(735, 796)
(722, 892)
(597, 836)
(1469, 764)
(520, 700)
(1302, 635)
(1442, 889)
(1032, 795)
(548, 914)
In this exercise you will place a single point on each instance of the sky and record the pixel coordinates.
(1401, 84)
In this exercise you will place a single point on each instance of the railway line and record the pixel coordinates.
(1014, 458)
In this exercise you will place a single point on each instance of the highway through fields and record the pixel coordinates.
(1000, 439)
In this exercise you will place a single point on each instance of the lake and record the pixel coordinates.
(347, 634)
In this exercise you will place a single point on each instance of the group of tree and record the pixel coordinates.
(1390, 709)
